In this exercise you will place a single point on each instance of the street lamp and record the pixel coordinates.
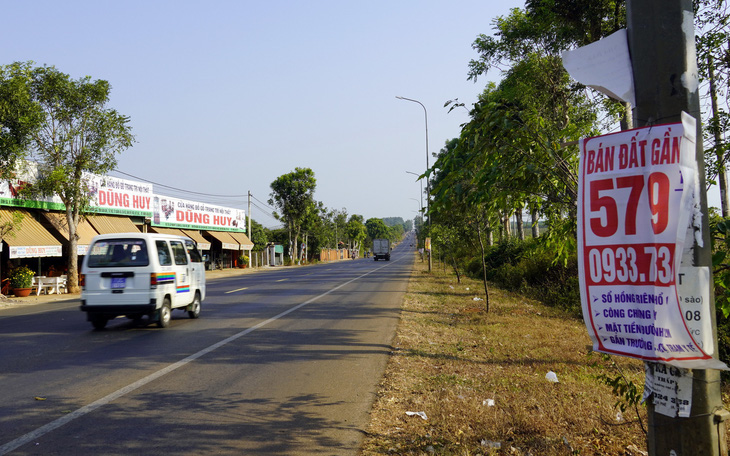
(420, 205)
(428, 190)
(418, 175)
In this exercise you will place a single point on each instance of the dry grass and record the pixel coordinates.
(451, 357)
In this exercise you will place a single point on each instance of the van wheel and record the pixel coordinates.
(98, 321)
(194, 307)
(164, 315)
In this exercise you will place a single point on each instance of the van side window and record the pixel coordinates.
(178, 251)
(195, 255)
(163, 252)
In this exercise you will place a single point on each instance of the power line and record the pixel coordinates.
(180, 189)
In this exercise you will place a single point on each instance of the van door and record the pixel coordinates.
(197, 266)
(183, 295)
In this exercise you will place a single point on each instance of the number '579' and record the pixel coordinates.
(607, 224)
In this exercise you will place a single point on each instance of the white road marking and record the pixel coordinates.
(237, 289)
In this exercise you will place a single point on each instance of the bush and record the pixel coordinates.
(527, 267)
(21, 277)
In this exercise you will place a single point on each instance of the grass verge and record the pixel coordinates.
(480, 379)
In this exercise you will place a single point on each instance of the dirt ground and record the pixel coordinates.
(464, 381)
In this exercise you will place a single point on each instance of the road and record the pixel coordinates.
(281, 362)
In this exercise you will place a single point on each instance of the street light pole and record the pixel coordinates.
(428, 190)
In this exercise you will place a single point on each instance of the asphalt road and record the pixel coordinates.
(281, 362)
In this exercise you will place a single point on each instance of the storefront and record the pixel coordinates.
(28, 243)
(115, 206)
(223, 249)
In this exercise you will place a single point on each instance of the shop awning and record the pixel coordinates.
(30, 239)
(203, 243)
(174, 231)
(228, 242)
(242, 240)
(84, 230)
(108, 224)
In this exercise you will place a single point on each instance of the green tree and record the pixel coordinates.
(79, 135)
(293, 195)
(377, 229)
(712, 39)
(356, 231)
(20, 117)
(259, 235)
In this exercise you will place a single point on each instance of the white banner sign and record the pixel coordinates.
(113, 195)
(636, 197)
(177, 213)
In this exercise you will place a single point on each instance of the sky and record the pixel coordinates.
(225, 96)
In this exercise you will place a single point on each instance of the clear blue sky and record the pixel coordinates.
(225, 96)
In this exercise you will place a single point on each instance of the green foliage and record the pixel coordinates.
(258, 235)
(21, 277)
(293, 196)
(20, 117)
(376, 229)
(65, 126)
(530, 268)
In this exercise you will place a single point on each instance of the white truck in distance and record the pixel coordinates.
(381, 249)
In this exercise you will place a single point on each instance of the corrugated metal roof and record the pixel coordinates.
(203, 243)
(242, 239)
(228, 242)
(29, 234)
(108, 224)
(161, 230)
(58, 220)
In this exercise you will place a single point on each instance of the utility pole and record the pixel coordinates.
(248, 231)
(662, 48)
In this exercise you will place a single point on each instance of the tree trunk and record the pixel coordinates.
(535, 223)
(484, 267)
(505, 225)
(721, 169)
(72, 278)
(456, 269)
(520, 226)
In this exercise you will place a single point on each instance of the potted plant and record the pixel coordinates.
(21, 281)
(243, 261)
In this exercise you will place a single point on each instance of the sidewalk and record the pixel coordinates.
(12, 301)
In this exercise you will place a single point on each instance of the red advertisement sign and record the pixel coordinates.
(637, 197)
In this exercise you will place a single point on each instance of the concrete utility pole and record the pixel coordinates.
(662, 48)
(248, 231)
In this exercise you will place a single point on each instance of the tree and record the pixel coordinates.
(78, 136)
(356, 231)
(258, 235)
(377, 229)
(293, 195)
(19, 115)
(712, 40)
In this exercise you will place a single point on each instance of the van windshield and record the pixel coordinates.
(118, 252)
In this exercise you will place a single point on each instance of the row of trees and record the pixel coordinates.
(308, 222)
(518, 153)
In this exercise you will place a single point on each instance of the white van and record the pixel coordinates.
(141, 274)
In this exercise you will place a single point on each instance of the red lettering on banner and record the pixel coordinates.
(141, 202)
(113, 199)
(665, 151)
(601, 160)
